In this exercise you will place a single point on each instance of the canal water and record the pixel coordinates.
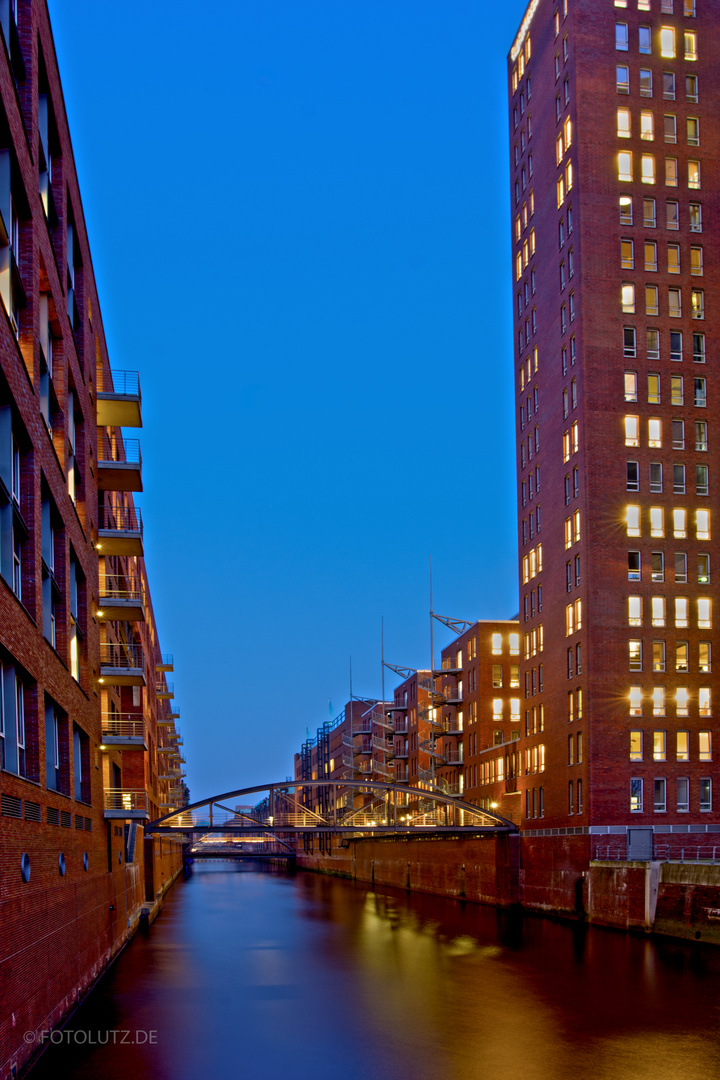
(250, 974)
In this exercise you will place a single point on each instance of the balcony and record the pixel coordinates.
(446, 665)
(166, 663)
(453, 694)
(119, 405)
(119, 464)
(120, 531)
(381, 768)
(124, 605)
(121, 664)
(170, 774)
(124, 730)
(453, 757)
(165, 690)
(124, 803)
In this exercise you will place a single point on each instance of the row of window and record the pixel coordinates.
(657, 522)
(658, 611)
(573, 618)
(534, 522)
(672, 214)
(667, 41)
(648, 171)
(571, 441)
(572, 574)
(530, 486)
(534, 642)
(528, 368)
(674, 295)
(497, 708)
(535, 720)
(650, 258)
(575, 654)
(534, 682)
(532, 563)
(513, 644)
(533, 602)
(572, 529)
(679, 486)
(657, 567)
(660, 794)
(677, 388)
(682, 745)
(497, 676)
(682, 656)
(658, 697)
(575, 485)
(647, 126)
(666, 6)
(654, 430)
(574, 705)
(622, 84)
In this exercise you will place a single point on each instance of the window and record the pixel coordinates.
(678, 434)
(674, 303)
(701, 441)
(676, 390)
(652, 294)
(697, 303)
(647, 126)
(647, 168)
(656, 476)
(633, 477)
(646, 89)
(689, 9)
(704, 613)
(680, 523)
(629, 341)
(621, 37)
(657, 566)
(696, 261)
(657, 609)
(691, 45)
(694, 174)
(644, 40)
(700, 393)
(625, 172)
(623, 126)
(654, 389)
(670, 128)
(705, 793)
(657, 521)
(636, 700)
(682, 744)
(627, 255)
(704, 657)
(659, 741)
(676, 352)
(654, 432)
(632, 519)
(626, 213)
(635, 611)
(669, 85)
(628, 298)
(649, 215)
(667, 41)
(701, 480)
(703, 570)
(695, 217)
(672, 215)
(683, 794)
(576, 526)
(673, 251)
(632, 431)
(635, 654)
(680, 568)
(636, 745)
(636, 795)
(658, 655)
(682, 612)
(634, 566)
(704, 709)
(659, 786)
(702, 522)
(693, 131)
(671, 172)
(650, 255)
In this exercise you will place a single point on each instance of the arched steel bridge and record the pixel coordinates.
(286, 810)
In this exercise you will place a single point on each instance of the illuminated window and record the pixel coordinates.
(628, 298)
(680, 523)
(658, 656)
(701, 441)
(690, 45)
(657, 521)
(647, 126)
(650, 248)
(568, 532)
(626, 211)
(636, 700)
(676, 390)
(635, 611)
(704, 656)
(674, 303)
(659, 740)
(654, 389)
(689, 9)
(657, 607)
(636, 741)
(625, 171)
(693, 131)
(682, 612)
(575, 436)
(514, 644)
(632, 518)
(569, 620)
(654, 432)
(697, 304)
(632, 431)
(561, 190)
(667, 41)
(704, 606)
(693, 174)
(497, 708)
(630, 382)
(635, 653)
(649, 212)
(702, 522)
(578, 614)
(696, 261)
(652, 294)
(568, 132)
(576, 526)
(682, 744)
(559, 149)
(673, 258)
(636, 795)
(647, 168)
(671, 172)
(497, 644)
(514, 708)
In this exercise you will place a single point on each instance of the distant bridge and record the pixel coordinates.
(291, 809)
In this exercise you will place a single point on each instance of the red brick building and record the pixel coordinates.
(614, 179)
(89, 751)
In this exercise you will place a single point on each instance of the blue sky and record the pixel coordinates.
(298, 216)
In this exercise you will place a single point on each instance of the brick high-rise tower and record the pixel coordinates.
(614, 179)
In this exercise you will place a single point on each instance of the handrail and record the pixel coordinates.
(115, 450)
(123, 725)
(122, 382)
(126, 799)
(120, 655)
(121, 519)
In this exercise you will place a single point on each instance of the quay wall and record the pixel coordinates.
(553, 875)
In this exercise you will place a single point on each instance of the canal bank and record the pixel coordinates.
(551, 875)
(252, 973)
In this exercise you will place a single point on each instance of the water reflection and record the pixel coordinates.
(257, 974)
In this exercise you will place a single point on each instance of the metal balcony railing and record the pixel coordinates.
(121, 519)
(381, 768)
(126, 799)
(362, 727)
(446, 663)
(347, 759)
(452, 757)
(165, 688)
(119, 382)
(380, 744)
(401, 726)
(120, 655)
(364, 746)
(107, 592)
(123, 726)
(348, 740)
(113, 450)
